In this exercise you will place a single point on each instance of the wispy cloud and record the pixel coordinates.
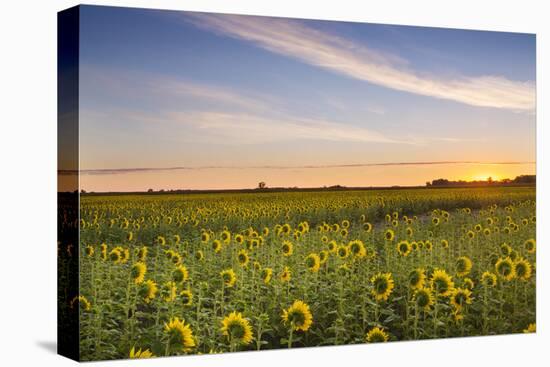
(294, 39)
(113, 171)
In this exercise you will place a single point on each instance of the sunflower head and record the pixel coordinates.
(417, 278)
(90, 251)
(142, 253)
(186, 297)
(463, 266)
(287, 248)
(266, 275)
(285, 274)
(523, 269)
(180, 334)
(205, 237)
(228, 277)
(298, 316)
(313, 262)
(404, 248)
(489, 279)
(148, 290)
(382, 286)
(81, 302)
(531, 328)
(389, 235)
(442, 283)
(323, 256)
(505, 268)
(357, 248)
(461, 297)
(423, 298)
(530, 245)
(138, 272)
(237, 329)
(377, 335)
(469, 283)
(444, 243)
(169, 291)
(216, 246)
(140, 353)
(367, 227)
(343, 252)
(180, 274)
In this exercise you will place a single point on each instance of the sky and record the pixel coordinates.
(184, 100)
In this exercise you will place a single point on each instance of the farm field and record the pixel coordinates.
(211, 273)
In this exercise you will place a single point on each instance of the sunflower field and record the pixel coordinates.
(168, 274)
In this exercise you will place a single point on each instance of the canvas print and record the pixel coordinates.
(244, 183)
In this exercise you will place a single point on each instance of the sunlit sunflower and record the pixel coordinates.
(90, 251)
(505, 268)
(116, 255)
(417, 278)
(444, 243)
(343, 252)
(523, 269)
(205, 237)
(461, 297)
(140, 354)
(423, 298)
(243, 258)
(404, 248)
(216, 246)
(82, 302)
(428, 245)
(180, 274)
(148, 290)
(530, 245)
(442, 283)
(367, 227)
(287, 248)
(489, 279)
(161, 240)
(313, 262)
(266, 275)
(239, 238)
(226, 236)
(505, 249)
(463, 266)
(323, 256)
(332, 246)
(377, 335)
(298, 316)
(357, 248)
(229, 278)
(389, 235)
(382, 286)
(142, 253)
(199, 255)
(470, 234)
(138, 272)
(285, 274)
(186, 297)
(435, 221)
(180, 333)
(103, 248)
(237, 329)
(531, 328)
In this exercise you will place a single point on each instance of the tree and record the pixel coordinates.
(261, 185)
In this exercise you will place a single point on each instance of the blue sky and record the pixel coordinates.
(240, 93)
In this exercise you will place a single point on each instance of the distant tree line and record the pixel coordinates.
(519, 180)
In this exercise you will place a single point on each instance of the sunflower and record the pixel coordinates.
(186, 297)
(444, 243)
(377, 335)
(237, 329)
(523, 269)
(530, 245)
(367, 227)
(531, 328)
(469, 283)
(226, 236)
(265, 232)
(298, 316)
(332, 246)
(442, 283)
(323, 256)
(461, 297)
(478, 228)
(180, 333)
(287, 248)
(389, 235)
(470, 234)
(428, 245)
(180, 274)
(205, 237)
(169, 291)
(90, 251)
(239, 238)
(505, 268)
(463, 266)
(357, 248)
(313, 262)
(161, 240)
(148, 290)
(435, 221)
(266, 275)
(343, 252)
(229, 278)
(423, 298)
(139, 354)
(199, 255)
(83, 303)
(285, 274)
(404, 248)
(489, 279)
(243, 258)
(176, 238)
(142, 253)
(103, 247)
(505, 249)
(417, 278)
(138, 272)
(382, 286)
(116, 255)
(216, 246)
